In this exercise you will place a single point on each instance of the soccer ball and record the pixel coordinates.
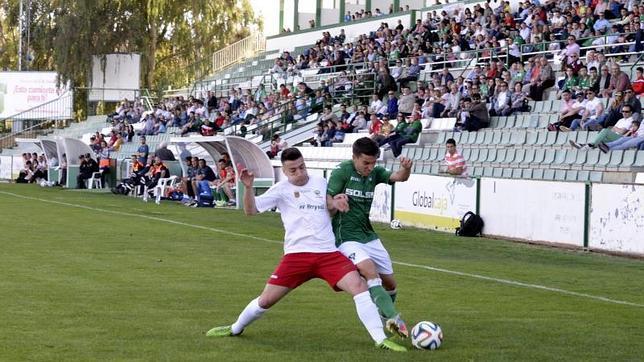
(426, 335)
(395, 224)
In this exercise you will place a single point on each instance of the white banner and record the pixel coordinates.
(434, 202)
(115, 77)
(21, 91)
(534, 210)
(617, 218)
(381, 205)
(10, 166)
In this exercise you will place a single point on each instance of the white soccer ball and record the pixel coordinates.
(395, 224)
(426, 335)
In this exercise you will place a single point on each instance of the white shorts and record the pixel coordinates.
(374, 250)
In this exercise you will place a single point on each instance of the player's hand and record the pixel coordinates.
(406, 163)
(341, 202)
(247, 177)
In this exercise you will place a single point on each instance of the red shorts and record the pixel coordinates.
(297, 268)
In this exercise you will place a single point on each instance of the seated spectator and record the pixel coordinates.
(406, 102)
(381, 129)
(518, 99)
(619, 81)
(634, 102)
(408, 133)
(569, 111)
(593, 108)
(156, 171)
(501, 102)
(638, 83)
(634, 138)
(611, 134)
(164, 153)
(85, 171)
(225, 184)
(392, 104)
(454, 163)
(277, 145)
(542, 78)
(474, 116)
(26, 174)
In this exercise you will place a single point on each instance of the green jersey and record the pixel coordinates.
(354, 225)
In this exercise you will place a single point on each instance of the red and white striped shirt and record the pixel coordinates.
(454, 161)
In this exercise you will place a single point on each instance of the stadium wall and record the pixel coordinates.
(353, 29)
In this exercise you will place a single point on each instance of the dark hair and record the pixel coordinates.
(451, 142)
(365, 146)
(291, 154)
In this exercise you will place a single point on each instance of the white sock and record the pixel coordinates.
(368, 314)
(251, 313)
(374, 282)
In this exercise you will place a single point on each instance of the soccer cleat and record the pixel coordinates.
(223, 331)
(391, 346)
(397, 326)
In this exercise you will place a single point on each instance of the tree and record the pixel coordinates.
(174, 38)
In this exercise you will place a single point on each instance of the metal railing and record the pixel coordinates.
(36, 120)
(238, 51)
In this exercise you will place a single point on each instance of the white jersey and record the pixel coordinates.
(303, 210)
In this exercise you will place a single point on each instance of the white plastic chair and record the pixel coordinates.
(162, 186)
(95, 181)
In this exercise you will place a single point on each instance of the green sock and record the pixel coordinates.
(383, 301)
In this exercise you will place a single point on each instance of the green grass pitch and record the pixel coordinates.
(93, 276)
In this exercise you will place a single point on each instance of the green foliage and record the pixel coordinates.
(175, 38)
(114, 278)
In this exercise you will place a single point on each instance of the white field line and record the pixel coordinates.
(425, 267)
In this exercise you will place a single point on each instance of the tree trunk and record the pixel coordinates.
(151, 56)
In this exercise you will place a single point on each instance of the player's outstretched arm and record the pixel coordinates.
(403, 173)
(247, 178)
(339, 202)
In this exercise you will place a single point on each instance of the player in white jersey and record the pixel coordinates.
(309, 247)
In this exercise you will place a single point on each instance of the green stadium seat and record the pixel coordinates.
(491, 155)
(531, 138)
(417, 168)
(538, 107)
(544, 119)
(539, 156)
(537, 174)
(442, 137)
(471, 139)
(466, 153)
(500, 122)
(489, 136)
(497, 172)
(434, 169)
(549, 158)
(583, 175)
(506, 136)
(456, 136)
(496, 137)
(480, 137)
(582, 155)
(519, 155)
(425, 154)
(551, 138)
(560, 158)
(592, 159)
(527, 173)
(571, 157)
(571, 175)
(477, 171)
(604, 160)
(517, 172)
(510, 155)
(542, 137)
(483, 155)
(465, 136)
(407, 152)
(441, 154)
(616, 157)
(560, 175)
(518, 137)
(488, 172)
(528, 157)
(628, 161)
(474, 155)
(433, 155)
(562, 138)
(582, 137)
(494, 122)
(639, 159)
(427, 169)
(511, 122)
(596, 176)
(506, 173)
(548, 174)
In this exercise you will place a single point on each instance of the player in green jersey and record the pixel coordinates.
(355, 237)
